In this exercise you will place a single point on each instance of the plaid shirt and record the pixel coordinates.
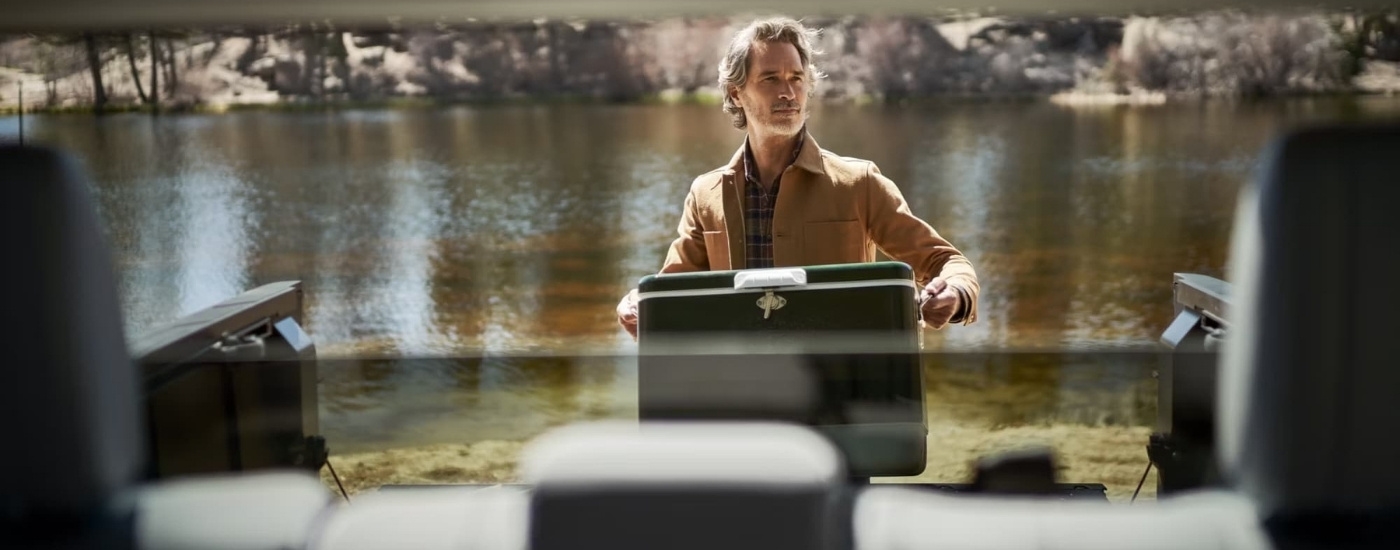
(758, 210)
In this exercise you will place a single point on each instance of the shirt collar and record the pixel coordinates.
(750, 165)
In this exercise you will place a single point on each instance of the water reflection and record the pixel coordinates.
(963, 171)
(185, 230)
(405, 304)
(214, 233)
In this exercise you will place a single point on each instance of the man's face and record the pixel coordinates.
(775, 96)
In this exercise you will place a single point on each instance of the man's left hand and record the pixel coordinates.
(938, 302)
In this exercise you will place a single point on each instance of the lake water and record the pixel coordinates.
(505, 235)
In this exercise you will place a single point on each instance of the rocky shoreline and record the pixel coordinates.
(1072, 60)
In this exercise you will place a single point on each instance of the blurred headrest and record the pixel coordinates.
(1309, 389)
(891, 517)
(685, 486)
(256, 511)
(448, 518)
(744, 453)
(68, 394)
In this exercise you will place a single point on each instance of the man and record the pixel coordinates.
(782, 201)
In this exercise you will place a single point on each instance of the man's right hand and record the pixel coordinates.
(627, 313)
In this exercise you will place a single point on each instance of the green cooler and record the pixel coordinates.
(835, 347)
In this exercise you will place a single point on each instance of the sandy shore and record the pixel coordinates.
(481, 462)
(1112, 455)
(976, 406)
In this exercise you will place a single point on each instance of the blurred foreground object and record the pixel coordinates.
(232, 387)
(72, 430)
(1183, 447)
(1309, 389)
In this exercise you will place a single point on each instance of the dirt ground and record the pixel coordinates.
(1112, 455)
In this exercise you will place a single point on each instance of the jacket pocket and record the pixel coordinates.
(717, 250)
(836, 242)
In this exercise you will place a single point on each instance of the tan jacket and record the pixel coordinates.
(830, 210)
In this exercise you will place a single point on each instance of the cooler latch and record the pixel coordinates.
(769, 302)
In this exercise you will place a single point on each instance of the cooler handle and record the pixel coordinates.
(770, 278)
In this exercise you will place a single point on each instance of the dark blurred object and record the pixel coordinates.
(1310, 389)
(1060, 491)
(835, 347)
(1020, 472)
(618, 486)
(1182, 464)
(1183, 447)
(727, 386)
(232, 387)
(72, 436)
(77, 448)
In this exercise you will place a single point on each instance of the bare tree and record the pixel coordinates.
(57, 57)
(155, 71)
(99, 94)
(171, 76)
(135, 74)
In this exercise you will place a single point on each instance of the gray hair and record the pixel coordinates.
(734, 66)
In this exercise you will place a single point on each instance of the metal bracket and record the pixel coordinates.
(248, 343)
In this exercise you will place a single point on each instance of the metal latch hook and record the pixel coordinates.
(769, 302)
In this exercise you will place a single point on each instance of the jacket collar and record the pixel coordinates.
(809, 158)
